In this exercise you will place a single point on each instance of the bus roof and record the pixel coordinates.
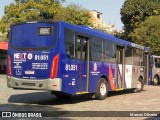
(155, 56)
(101, 34)
(93, 32)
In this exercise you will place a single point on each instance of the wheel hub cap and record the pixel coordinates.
(103, 89)
(139, 85)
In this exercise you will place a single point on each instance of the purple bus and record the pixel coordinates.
(69, 59)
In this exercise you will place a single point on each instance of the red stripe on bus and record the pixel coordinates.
(113, 87)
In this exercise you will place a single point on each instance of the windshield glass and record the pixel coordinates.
(157, 62)
(32, 35)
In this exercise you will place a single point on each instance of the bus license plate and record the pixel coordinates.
(29, 72)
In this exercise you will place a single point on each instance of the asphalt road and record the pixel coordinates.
(32, 100)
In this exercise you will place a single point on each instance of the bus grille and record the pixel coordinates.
(28, 84)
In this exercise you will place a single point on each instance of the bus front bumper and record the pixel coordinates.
(46, 84)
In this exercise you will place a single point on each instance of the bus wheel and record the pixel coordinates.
(155, 80)
(139, 85)
(102, 89)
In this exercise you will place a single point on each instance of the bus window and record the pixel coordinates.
(109, 51)
(157, 62)
(119, 55)
(129, 55)
(96, 50)
(70, 43)
(138, 57)
(81, 47)
(151, 61)
(35, 36)
(78, 48)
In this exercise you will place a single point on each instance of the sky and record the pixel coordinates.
(109, 8)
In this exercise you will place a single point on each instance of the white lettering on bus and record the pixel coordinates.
(20, 56)
(69, 67)
(41, 57)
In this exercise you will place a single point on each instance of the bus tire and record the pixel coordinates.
(102, 89)
(139, 85)
(155, 80)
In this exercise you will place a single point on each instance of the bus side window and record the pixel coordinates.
(96, 49)
(84, 49)
(81, 47)
(138, 57)
(129, 55)
(78, 48)
(109, 51)
(157, 62)
(69, 37)
(151, 61)
(119, 56)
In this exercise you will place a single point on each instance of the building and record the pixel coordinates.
(98, 23)
(96, 16)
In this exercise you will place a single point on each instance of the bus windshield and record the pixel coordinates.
(27, 35)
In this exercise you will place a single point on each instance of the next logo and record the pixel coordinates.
(20, 56)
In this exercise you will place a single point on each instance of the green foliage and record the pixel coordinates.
(25, 1)
(25, 10)
(141, 22)
(122, 35)
(74, 14)
(133, 12)
(148, 34)
(30, 10)
(106, 29)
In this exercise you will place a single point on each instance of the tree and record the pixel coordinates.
(24, 10)
(148, 34)
(28, 10)
(55, 1)
(74, 14)
(133, 12)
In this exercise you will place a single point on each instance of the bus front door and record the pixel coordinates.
(120, 69)
(147, 68)
(83, 57)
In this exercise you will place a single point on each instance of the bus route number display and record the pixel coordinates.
(44, 31)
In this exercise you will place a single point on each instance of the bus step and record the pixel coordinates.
(119, 89)
(78, 93)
